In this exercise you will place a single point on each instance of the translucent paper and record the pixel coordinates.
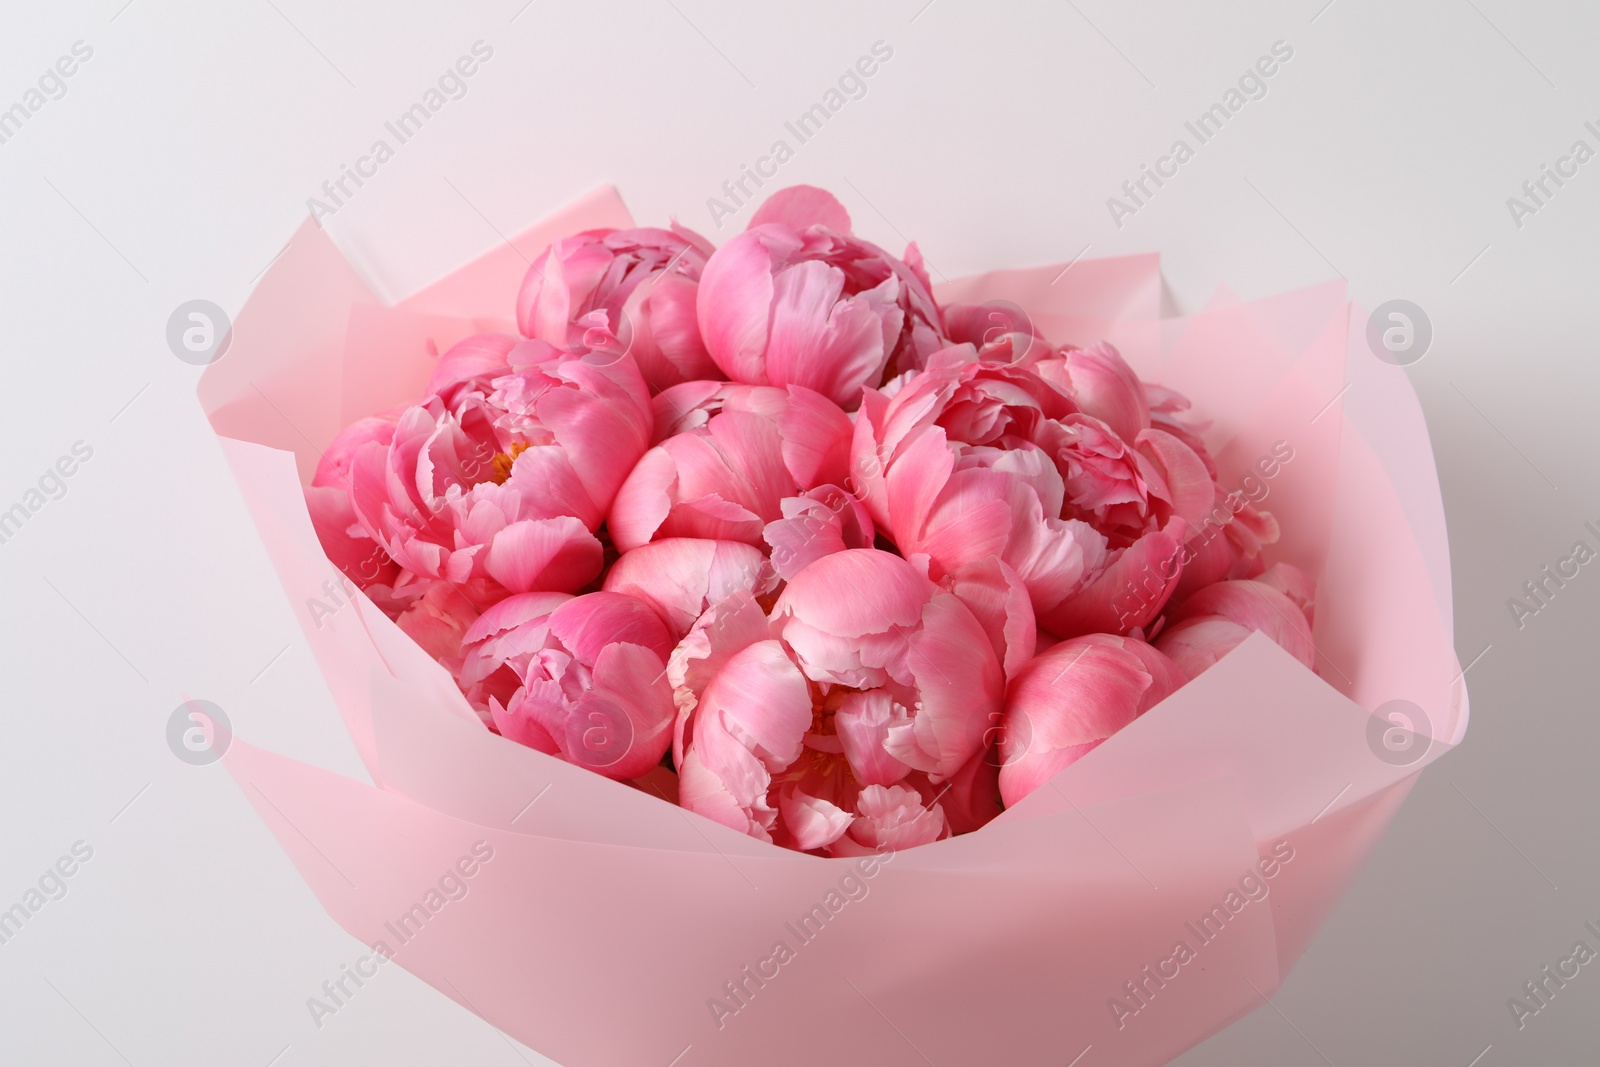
(1147, 896)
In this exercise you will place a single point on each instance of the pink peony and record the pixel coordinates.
(726, 474)
(1069, 699)
(644, 282)
(836, 723)
(579, 677)
(797, 300)
(497, 482)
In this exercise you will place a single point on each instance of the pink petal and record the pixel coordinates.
(1128, 593)
(734, 307)
(644, 500)
(862, 724)
(800, 206)
(1066, 701)
(819, 338)
(887, 592)
(588, 624)
(1189, 484)
(816, 439)
(538, 554)
(813, 822)
(997, 598)
(681, 577)
(1107, 388)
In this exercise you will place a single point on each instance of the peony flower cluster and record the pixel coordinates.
(769, 531)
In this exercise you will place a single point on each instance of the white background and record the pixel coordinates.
(180, 160)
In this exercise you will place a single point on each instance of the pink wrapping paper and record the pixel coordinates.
(609, 927)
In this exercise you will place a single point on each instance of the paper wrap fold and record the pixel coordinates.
(609, 928)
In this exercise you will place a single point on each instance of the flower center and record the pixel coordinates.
(500, 463)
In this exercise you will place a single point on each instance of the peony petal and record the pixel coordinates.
(734, 306)
(800, 206)
(813, 822)
(539, 554)
(681, 577)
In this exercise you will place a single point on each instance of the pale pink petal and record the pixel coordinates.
(813, 822)
(1105, 387)
(734, 306)
(862, 724)
(999, 600)
(539, 554)
(894, 817)
(681, 577)
(1128, 593)
(800, 206)
(887, 593)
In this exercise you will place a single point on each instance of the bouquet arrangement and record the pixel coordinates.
(794, 579)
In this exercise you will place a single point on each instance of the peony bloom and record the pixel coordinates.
(837, 722)
(348, 545)
(580, 677)
(1212, 622)
(1069, 699)
(497, 481)
(724, 477)
(969, 459)
(797, 300)
(644, 281)
(960, 504)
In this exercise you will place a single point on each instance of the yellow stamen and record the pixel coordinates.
(500, 463)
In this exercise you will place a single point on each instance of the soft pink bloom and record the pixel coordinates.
(725, 477)
(347, 543)
(680, 577)
(497, 482)
(579, 677)
(797, 300)
(960, 504)
(1213, 622)
(834, 724)
(1069, 699)
(1126, 488)
(644, 281)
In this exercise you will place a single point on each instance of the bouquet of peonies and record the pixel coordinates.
(783, 572)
